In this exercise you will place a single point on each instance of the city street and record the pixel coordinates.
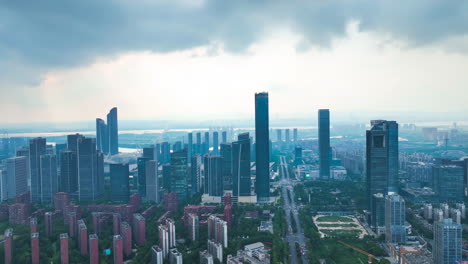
(290, 208)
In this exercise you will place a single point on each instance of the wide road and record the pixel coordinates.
(291, 209)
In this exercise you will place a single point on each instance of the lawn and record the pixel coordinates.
(333, 218)
(337, 225)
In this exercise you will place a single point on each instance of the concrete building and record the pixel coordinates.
(139, 229)
(35, 248)
(194, 227)
(217, 230)
(428, 211)
(93, 249)
(157, 256)
(16, 180)
(206, 257)
(8, 246)
(118, 249)
(175, 257)
(64, 258)
(215, 249)
(126, 233)
(164, 239)
(82, 237)
(170, 223)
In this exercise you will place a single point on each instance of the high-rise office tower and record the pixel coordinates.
(164, 239)
(152, 185)
(215, 143)
(16, 180)
(447, 247)
(64, 259)
(102, 136)
(68, 172)
(157, 255)
(295, 135)
(149, 153)
(224, 137)
(119, 181)
(166, 177)
(141, 165)
(49, 179)
(3, 185)
(206, 143)
(287, 135)
(88, 189)
(58, 149)
(190, 146)
(448, 183)
(139, 227)
(126, 233)
(157, 151)
(177, 146)
(378, 214)
(72, 142)
(226, 155)
(35, 248)
(213, 175)
(93, 249)
(298, 155)
(113, 133)
(172, 232)
(395, 230)
(165, 152)
(324, 142)
(382, 158)
(279, 135)
(37, 148)
(118, 249)
(198, 148)
(179, 174)
(241, 166)
(8, 245)
(195, 169)
(100, 174)
(262, 150)
(194, 227)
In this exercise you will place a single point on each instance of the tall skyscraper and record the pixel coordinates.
(382, 158)
(279, 135)
(141, 165)
(226, 155)
(37, 148)
(395, 230)
(112, 125)
(72, 142)
(170, 223)
(199, 144)
(215, 143)
(102, 136)
(448, 183)
(68, 172)
(88, 189)
(16, 180)
(213, 175)
(287, 135)
(119, 181)
(224, 137)
(149, 153)
(324, 143)
(447, 247)
(179, 174)
(49, 179)
(165, 152)
(295, 135)
(190, 146)
(166, 177)
(262, 151)
(152, 185)
(241, 166)
(195, 169)
(378, 214)
(206, 143)
(58, 150)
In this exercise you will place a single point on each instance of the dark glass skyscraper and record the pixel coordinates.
(68, 181)
(102, 137)
(88, 189)
(382, 158)
(179, 174)
(198, 148)
(112, 125)
(262, 151)
(37, 148)
(213, 175)
(224, 137)
(141, 164)
(226, 154)
(241, 166)
(324, 143)
(206, 143)
(190, 146)
(215, 143)
(195, 184)
(49, 179)
(119, 179)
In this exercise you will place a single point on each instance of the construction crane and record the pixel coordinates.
(369, 256)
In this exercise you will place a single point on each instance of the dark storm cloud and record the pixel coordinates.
(53, 34)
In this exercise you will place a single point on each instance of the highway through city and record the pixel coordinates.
(290, 208)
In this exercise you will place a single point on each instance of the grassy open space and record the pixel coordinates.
(333, 218)
(337, 225)
(337, 233)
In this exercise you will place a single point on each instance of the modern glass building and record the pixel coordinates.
(119, 181)
(241, 166)
(179, 174)
(68, 172)
(88, 189)
(37, 148)
(49, 179)
(262, 149)
(448, 183)
(395, 229)
(102, 136)
(141, 165)
(213, 185)
(195, 168)
(324, 143)
(382, 158)
(226, 154)
(215, 143)
(447, 247)
(112, 125)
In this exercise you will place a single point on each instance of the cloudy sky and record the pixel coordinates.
(205, 59)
